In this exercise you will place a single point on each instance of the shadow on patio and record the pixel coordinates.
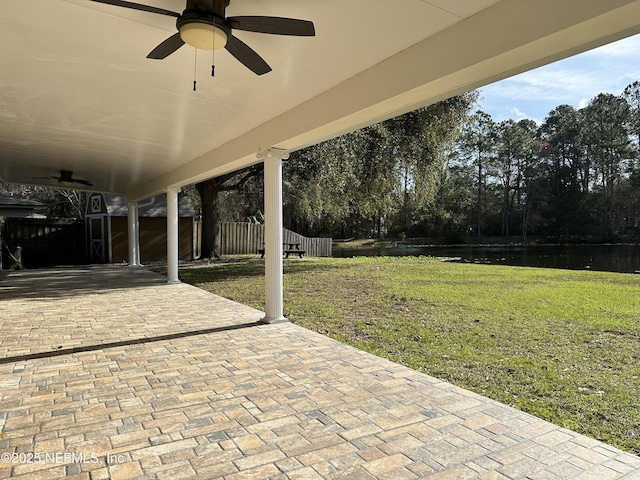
(67, 281)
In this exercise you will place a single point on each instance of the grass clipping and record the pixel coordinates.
(561, 345)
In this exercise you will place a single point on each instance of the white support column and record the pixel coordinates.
(133, 234)
(272, 158)
(172, 234)
(137, 237)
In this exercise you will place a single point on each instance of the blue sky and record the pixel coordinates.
(573, 81)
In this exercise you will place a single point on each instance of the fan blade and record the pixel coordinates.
(166, 48)
(247, 56)
(273, 25)
(51, 177)
(83, 182)
(137, 6)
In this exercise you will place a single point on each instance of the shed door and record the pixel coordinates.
(97, 234)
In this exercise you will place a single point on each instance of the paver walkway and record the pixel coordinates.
(108, 372)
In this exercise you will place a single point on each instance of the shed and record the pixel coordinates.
(106, 228)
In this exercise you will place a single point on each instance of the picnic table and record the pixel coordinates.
(294, 248)
(288, 249)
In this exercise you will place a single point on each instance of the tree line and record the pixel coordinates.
(575, 177)
(451, 174)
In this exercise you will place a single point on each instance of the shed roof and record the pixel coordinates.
(13, 206)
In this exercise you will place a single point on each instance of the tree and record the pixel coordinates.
(211, 195)
(631, 95)
(515, 147)
(508, 156)
(420, 142)
(381, 178)
(528, 182)
(631, 187)
(562, 130)
(319, 186)
(565, 172)
(477, 146)
(454, 211)
(608, 144)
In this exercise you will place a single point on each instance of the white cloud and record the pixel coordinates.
(573, 81)
(548, 84)
(627, 79)
(517, 113)
(626, 48)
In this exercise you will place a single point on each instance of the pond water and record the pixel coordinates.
(611, 258)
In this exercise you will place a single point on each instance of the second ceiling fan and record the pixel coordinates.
(203, 25)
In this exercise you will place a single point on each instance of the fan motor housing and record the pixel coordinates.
(217, 7)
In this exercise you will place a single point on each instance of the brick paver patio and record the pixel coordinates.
(108, 372)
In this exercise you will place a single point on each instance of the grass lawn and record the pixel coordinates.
(562, 345)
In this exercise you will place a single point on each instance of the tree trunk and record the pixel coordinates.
(479, 201)
(506, 212)
(209, 191)
(526, 213)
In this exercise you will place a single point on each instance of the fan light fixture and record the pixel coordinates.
(203, 36)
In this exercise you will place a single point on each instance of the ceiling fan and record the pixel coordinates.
(203, 25)
(66, 179)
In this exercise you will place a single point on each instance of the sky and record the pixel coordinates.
(573, 81)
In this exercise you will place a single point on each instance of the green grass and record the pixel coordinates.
(562, 345)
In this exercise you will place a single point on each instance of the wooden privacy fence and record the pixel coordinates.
(46, 242)
(245, 238)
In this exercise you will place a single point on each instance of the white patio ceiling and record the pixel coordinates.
(77, 93)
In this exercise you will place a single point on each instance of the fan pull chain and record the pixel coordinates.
(213, 50)
(195, 67)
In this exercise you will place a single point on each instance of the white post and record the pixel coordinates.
(272, 158)
(172, 234)
(137, 237)
(133, 234)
